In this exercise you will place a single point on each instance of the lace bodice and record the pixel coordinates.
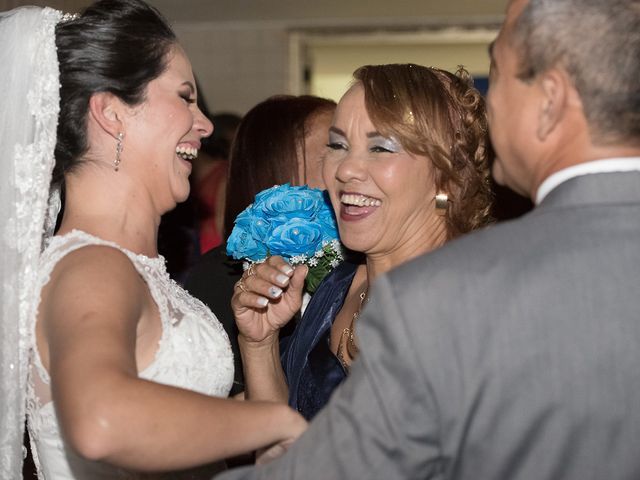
(193, 353)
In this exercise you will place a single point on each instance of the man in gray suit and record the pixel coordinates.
(514, 353)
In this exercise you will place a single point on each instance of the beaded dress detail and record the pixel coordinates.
(193, 353)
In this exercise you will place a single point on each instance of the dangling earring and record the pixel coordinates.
(116, 162)
(442, 202)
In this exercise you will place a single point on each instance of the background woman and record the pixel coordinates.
(280, 140)
(126, 366)
(408, 170)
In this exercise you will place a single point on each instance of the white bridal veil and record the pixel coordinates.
(29, 105)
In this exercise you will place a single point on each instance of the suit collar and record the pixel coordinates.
(595, 189)
(605, 165)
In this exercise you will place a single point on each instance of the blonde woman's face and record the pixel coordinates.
(382, 194)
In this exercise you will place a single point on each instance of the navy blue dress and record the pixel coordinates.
(312, 370)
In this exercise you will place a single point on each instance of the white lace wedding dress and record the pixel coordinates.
(193, 353)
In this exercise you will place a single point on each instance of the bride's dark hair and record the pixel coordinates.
(115, 46)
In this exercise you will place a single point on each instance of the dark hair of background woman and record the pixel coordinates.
(266, 148)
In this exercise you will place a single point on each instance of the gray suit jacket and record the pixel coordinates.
(511, 354)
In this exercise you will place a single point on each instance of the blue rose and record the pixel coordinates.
(296, 237)
(244, 243)
(285, 220)
(290, 202)
(252, 219)
(268, 192)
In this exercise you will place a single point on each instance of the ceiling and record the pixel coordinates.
(449, 11)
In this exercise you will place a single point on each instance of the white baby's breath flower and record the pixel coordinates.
(297, 259)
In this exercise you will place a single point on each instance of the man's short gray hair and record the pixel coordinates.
(598, 43)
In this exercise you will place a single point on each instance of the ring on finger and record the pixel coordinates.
(240, 284)
(250, 270)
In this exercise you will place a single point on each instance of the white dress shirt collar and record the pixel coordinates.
(608, 165)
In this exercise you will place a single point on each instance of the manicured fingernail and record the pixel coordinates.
(286, 269)
(275, 292)
(262, 301)
(282, 279)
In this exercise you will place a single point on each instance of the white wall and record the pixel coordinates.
(246, 50)
(236, 67)
(239, 66)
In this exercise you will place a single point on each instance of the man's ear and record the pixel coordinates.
(554, 86)
(107, 111)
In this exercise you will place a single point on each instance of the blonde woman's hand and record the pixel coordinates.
(266, 298)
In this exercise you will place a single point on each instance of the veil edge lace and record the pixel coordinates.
(29, 106)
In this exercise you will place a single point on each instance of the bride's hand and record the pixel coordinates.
(266, 298)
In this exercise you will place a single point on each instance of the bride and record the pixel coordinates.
(122, 370)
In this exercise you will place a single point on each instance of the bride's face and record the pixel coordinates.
(164, 133)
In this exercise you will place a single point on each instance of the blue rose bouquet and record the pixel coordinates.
(297, 223)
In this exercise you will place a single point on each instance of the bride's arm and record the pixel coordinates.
(88, 320)
(264, 301)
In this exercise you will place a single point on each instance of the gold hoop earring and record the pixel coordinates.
(442, 203)
(116, 162)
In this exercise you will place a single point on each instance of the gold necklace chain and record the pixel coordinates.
(347, 338)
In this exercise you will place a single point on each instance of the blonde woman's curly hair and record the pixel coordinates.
(441, 116)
